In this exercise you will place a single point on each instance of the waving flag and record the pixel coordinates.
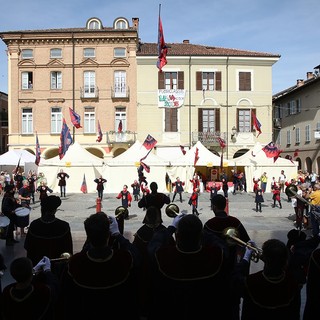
(272, 151)
(182, 150)
(256, 123)
(196, 157)
(149, 142)
(100, 135)
(120, 126)
(162, 48)
(38, 151)
(84, 188)
(221, 142)
(65, 139)
(17, 168)
(75, 118)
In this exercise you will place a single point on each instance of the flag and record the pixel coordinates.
(221, 142)
(149, 142)
(38, 151)
(196, 157)
(296, 153)
(145, 166)
(145, 157)
(16, 169)
(84, 188)
(272, 151)
(168, 183)
(120, 126)
(221, 159)
(182, 150)
(256, 124)
(75, 118)
(162, 48)
(100, 135)
(65, 139)
(289, 158)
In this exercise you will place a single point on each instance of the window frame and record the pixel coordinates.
(55, 80)
(89, 120)
(56, 55)
(26, 80)
(245, 80)
(117, 52)
(56, 120)
(27, 54)
(26, 120)
(86, 55)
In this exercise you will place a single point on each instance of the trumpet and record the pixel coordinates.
(172, 210)
(63, 256)
(231, 233)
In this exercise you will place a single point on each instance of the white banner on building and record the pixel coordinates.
(171, 98)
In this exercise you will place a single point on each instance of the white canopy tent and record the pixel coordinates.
(77, 162)
(10, 159)
(255, 162)
(123, 169)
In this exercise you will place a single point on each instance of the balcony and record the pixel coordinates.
(89, 93)
(114, 137)
(120, 93)
(277, 123)
(208, 138)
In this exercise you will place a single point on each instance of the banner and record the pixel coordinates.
(171, 98)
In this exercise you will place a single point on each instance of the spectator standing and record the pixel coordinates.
(135, 190)
(62, 177)
(193, 201)
(178, 189)
(100, 185)
(314, 198)
(225, 187)
(273, 183)
(259, 199)
(213, 192)
(264, 181)
(282, 181)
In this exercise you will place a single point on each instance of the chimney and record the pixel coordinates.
(310, 75)
(186, 41)
(135, 23)
(300, 82)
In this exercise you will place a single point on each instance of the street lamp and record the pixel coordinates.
(234, 133)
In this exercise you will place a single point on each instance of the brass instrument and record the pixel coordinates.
(172, 210)
(63, 256)
(231, 234)
(121, 211)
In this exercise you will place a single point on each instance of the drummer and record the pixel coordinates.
(24, 197)
(8, 206)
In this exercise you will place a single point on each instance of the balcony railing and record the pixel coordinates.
(121, 137)
(120, 92)
(91, 93)
(208, 138)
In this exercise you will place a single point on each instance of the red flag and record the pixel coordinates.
(145, 157)
(65, 139)
(162, 48)
(272, 151)
(221, 142)
(100, 135)
(296, 153)
(38, 151)
(84, 188)
(149, 142)
(196, 157)
(145, 166)
(182, 150)
(120, 126)
(16, 169)
(256, 123)
(75, 118)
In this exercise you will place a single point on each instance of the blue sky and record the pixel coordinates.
(286, 27)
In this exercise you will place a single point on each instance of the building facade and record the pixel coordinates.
(3, 122)
(297, 121)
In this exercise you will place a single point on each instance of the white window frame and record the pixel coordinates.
(121, 24)
(89, 52)
(26, 80)
(89, 122)
(293, 108)
(298, 104)
(244, 120)
(27, 121)
(89, 84)
(298, 135)
(27, 54)
(208, 83)
(288, 137)
(56, 80)
(307, 133)
(56, 53)
(120, 115)
(119, 52)
(56, 120)
(120, 83)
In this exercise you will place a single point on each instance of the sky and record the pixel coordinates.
(289, 28)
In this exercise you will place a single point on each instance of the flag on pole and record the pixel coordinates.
(145, 166)
(162, 48)
(120, 126)
(65, 139)
(145, 157)
(38, 151)
(84, 188)
(16, 169)
(149, 142)
(222, 143)
(182, 150)
(196, 157)
(100, 135)
(75, 118)
(256, 123)
(272, 151)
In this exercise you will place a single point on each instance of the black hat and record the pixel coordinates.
(51, 202)
(8, 187)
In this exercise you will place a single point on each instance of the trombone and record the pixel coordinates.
(231, 233)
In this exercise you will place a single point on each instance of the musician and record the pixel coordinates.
(276, 196)
(24, 199)
(213, 192)
(62, 177)
(32, 178)
(126, 199)
(100, 185)
(43, 190)
(195, 182)
(314, 198)
(178, 188)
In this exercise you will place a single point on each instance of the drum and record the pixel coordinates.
(4, 223)
(23, 216)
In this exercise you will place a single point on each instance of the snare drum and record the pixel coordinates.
(23, 216)
(4, 223)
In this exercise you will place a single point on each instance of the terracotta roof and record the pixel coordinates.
(187, 49)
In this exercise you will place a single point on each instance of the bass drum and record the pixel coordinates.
(4, 223)
(23, 216)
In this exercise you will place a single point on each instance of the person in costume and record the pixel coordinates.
(178, 189)
(62, 177)
(100, 185)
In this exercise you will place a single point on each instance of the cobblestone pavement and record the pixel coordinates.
(270, 223)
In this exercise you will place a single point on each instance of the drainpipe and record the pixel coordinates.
(73, 84)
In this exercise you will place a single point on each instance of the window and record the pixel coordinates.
(209, 120)
(89, 84)
(298, 104)
(89, 53)
(244, 120)
(120, 116)
(297, 135)
(121, 24)
(27, 54)
(119, 52)
(27, 80)
(120, 87)
(27, 121)
(89, 120)
(244, 81)
(288, 137)
(56, 80)
(293, 109)
(56, 53)
(308, 133)
(94, 24)
(208, 81)
(56, 120)
(171, 81)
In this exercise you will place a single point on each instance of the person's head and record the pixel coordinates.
(125, 187)
(49, 205)
(153, 187)
(189, 233)
(97, 227)
(9, 189)
(153, 217)
(21, 270)
(316, 186)
(275, 257)
(219, 203)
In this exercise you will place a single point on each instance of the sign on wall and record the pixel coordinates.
(171, 98)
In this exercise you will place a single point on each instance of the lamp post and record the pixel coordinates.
(234, 133)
